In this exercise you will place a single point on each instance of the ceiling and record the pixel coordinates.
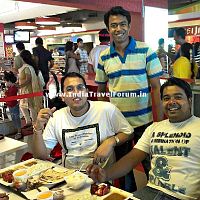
(172, 4)
(20, 11)
(13, 11)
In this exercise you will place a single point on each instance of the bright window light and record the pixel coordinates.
(155, 26)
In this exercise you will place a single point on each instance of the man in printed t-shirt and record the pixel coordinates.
(173, 145)
(88, 131)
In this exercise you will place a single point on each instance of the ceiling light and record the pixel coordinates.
(25, 25)
(47, 20)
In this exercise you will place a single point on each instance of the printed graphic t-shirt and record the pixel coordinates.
(175, 157)
(80, 136)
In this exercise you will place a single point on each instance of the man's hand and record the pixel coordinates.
(96, 173)
(104, 150)
(43, 117)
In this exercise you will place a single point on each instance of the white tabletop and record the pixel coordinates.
(9, 145)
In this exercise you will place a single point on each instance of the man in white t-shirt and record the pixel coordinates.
(173, 145)
(88, 131)
(104, 38)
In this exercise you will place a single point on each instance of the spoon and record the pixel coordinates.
(81, 167)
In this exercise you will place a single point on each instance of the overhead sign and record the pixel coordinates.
(192, 30)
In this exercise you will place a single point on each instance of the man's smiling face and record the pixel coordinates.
(176, 104)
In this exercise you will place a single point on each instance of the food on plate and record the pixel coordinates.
(54, 175)
(100, 190)
(115, 196)
(31, 163)
(4, 196)
(38, 168)
(58, 194)
(8, 176)
(33, 182)
(76, 180)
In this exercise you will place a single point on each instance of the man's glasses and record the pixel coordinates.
(79, 87)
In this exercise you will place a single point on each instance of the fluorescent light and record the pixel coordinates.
(25, 25)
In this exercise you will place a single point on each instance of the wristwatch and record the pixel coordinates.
(116, 139)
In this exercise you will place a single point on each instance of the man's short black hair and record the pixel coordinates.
(20, 46)
(177, 82)
(39, 41)
(71, 75)
(117, 10)
(104, 35)
(180, 32)
(79, 40)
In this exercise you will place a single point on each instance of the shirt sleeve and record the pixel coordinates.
(49, 134)
(153, 65)
(90, 58)
(101, 77)
(18, 62)
(144, 142)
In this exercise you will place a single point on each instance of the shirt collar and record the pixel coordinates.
(130, 47)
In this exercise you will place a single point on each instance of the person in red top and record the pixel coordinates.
(13, 106)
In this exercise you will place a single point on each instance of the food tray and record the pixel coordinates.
(48, 174)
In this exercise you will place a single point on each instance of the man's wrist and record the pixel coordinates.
(114, 141)
(37, 129)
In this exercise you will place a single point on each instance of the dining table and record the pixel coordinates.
(42, 169)
(11, 146)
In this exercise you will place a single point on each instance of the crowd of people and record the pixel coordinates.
(109, 139)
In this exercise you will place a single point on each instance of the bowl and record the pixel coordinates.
(47, 195)
(75, 181)
(20, 175)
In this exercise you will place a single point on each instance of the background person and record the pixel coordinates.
(17, 59)
(88, 131)
(162, 57)
(129, 66)
(104, 39)
(71, 58)
(173, 145)
(13, 106)
(83, 56)
(179, 37)
(29, 83)
(185, 66)
(43, 59)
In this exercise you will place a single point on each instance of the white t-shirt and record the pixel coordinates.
(94, 55)
(175, 157)
(80, 136)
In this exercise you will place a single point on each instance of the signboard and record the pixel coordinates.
(190, 31)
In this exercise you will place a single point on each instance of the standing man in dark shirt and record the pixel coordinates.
(42, 57)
